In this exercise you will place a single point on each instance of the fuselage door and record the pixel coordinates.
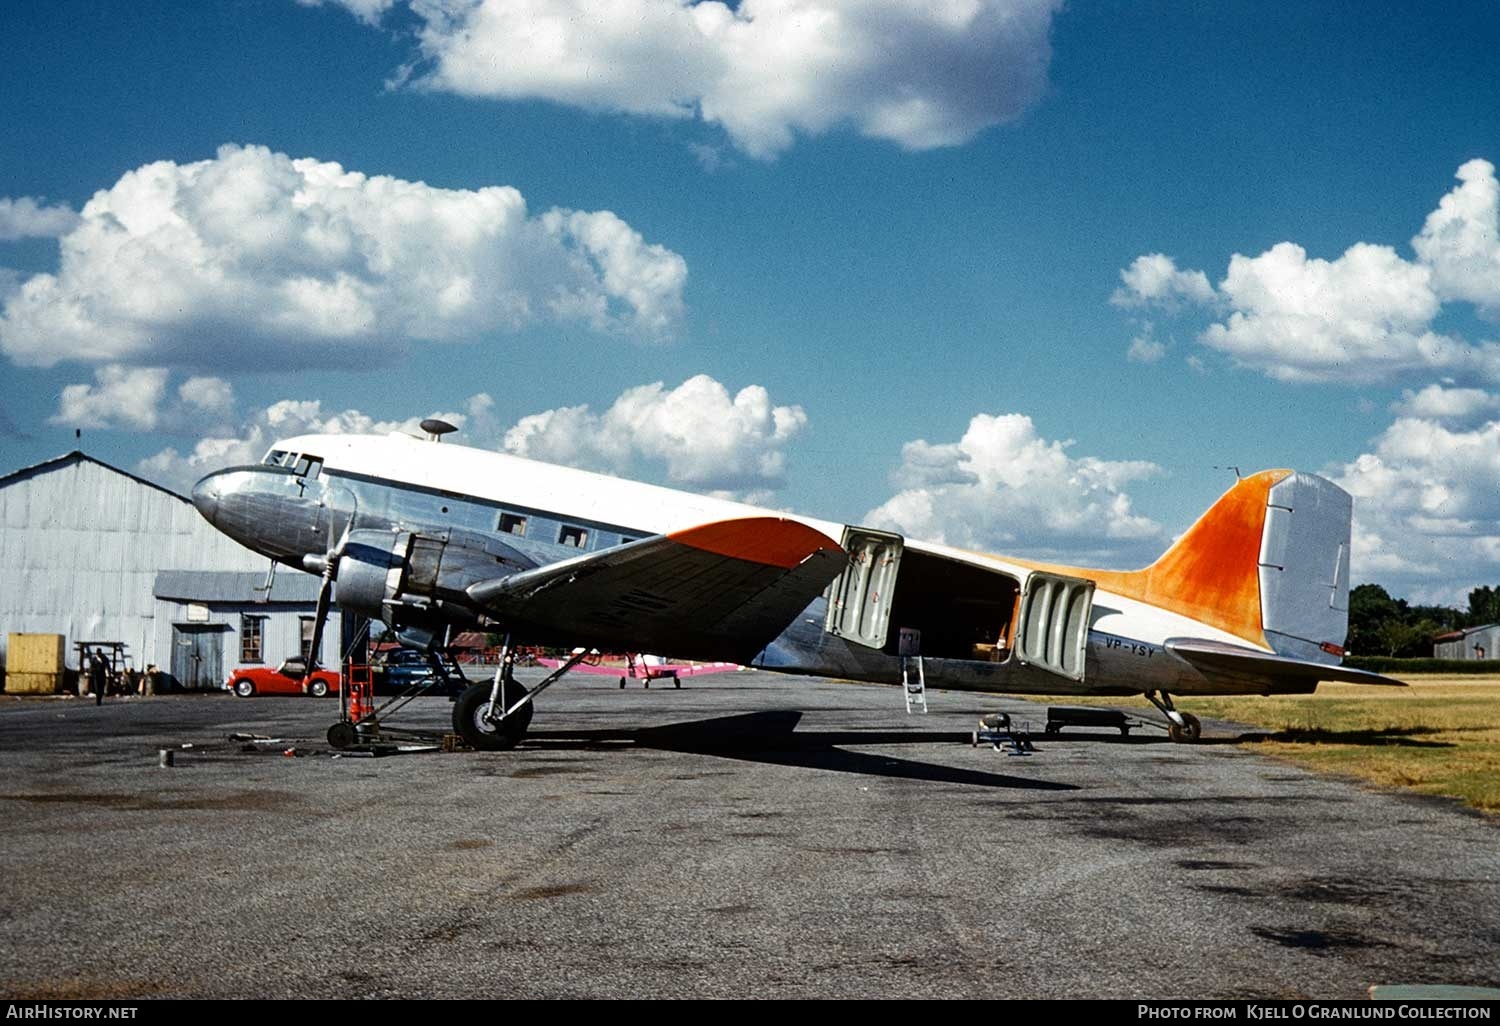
(1054, 629)
(859, 599)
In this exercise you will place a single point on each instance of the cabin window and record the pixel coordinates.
(309, 467)
(573, 537)
(510, 523)
(252, 637)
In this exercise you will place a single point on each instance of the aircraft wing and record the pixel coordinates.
(719, 590)
(1220, 657)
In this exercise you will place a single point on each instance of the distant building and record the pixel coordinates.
(94, 553)
(1470, 643)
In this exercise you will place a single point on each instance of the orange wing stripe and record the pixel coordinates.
(768, 540)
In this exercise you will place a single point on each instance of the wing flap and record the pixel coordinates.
(1221, 657)
(720, 590)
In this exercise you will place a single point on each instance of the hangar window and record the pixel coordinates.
(510, 523)
(573, 537)
(308, 625)
(252, 636)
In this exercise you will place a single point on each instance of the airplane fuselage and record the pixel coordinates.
(293, 507)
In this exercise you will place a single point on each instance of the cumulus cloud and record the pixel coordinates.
(258, 256)
(706, 438)
(1145, 347)
(918, 74)
(1460, 241)
(367, 11)
(29, 218)
(1002, 487)
(1427, 503)
(1366, 316)
(1360, 318)
(1448, 404)
(1154, 280)
(128, 397)
(135, 399)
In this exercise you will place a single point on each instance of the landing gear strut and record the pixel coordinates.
(1182, 727)
(493, 717)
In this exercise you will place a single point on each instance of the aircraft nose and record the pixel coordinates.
(206, 496)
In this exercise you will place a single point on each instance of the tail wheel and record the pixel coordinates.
(244, 687)
(472, 723)
(1188, 732)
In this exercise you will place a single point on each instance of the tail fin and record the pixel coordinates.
(1268, 562)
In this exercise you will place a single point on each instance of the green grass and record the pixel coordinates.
(1439, 736)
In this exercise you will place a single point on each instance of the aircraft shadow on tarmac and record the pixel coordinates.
(1399, 737)
(772, 737)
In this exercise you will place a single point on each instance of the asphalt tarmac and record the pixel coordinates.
(749, 835)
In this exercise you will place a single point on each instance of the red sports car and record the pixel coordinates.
(266, 680)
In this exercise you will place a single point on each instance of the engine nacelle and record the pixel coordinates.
(419, 580)
(372, 569)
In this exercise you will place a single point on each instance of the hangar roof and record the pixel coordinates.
(235, 586)
(77, 456)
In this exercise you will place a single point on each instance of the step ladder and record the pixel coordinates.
(909, 648)
(915, 685)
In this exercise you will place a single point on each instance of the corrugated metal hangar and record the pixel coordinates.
(97, 554)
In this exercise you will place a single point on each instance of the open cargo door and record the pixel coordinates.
(859, 599)
(1054, 628)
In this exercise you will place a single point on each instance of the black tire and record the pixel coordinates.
(317, 687)
(622, 683)
(244, 687)
(1187, 733)
(469, 722)
(342, 735)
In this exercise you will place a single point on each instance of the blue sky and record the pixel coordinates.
(901, 227)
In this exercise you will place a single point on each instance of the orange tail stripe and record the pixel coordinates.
(1212, 573)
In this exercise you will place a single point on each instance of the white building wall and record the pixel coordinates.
(80, 549)
(281, 636)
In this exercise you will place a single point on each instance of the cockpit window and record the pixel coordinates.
(275, 458)
(309, 467)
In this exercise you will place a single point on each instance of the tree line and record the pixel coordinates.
(1385, 626)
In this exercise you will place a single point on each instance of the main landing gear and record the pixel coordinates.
(1182, 727)
(493, 717)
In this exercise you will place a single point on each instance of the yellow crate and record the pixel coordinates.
(35, 653)
(32, 683)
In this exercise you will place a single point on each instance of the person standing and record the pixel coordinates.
(96, 676)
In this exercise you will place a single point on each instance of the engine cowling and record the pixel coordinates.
(418, 580)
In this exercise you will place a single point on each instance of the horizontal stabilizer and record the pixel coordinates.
(1221, 657)
(723, 588)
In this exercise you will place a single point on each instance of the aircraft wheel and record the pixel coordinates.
(318, 688)
(470, 722)
(1187, 733)
(342, 735)
(244, 688)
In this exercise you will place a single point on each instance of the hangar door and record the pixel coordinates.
(198, 655)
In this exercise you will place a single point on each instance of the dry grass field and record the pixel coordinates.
(1440, 735)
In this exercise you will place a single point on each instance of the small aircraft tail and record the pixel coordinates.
(1268, 562)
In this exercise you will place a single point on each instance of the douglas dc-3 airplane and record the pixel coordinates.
(1253, 599)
